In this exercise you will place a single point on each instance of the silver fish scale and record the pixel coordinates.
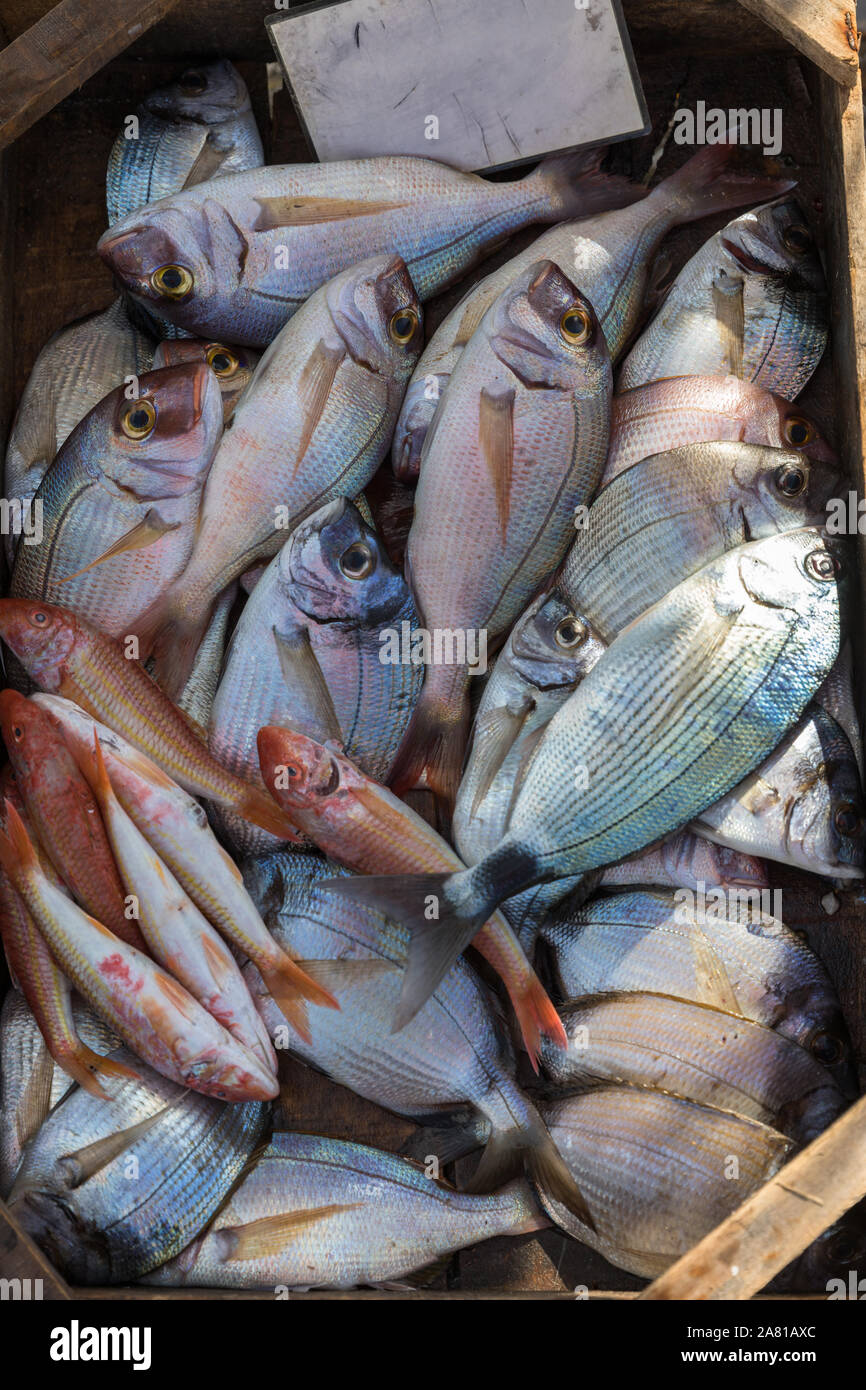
(656, 729)
(451, 1054)
(652, 1170)
(388, 1219)
(111, 1229)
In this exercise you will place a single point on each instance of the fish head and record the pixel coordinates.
(303, 771)
(804, 571)
(377, 315)
(182, 258)
(775, 241)
(780, 489)
(42, 637)
(73, 1245)
(334, 568)
(825, 820)
(233, 366)
(160, 442)
(552, 646)
(832, 1259)
(796, 430)
(209, 94)
(28, 731)
(546, 332)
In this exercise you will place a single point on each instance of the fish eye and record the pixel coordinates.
(569, 632)
(17, 733)
(576, 325)
(847, 819)
(39, 619)
(827, 1049)
(798, 431)
(138, 419)
(172, 281)
(790, 480)
(220, 360)
(843, 1248)
(403, 325)
(193, 82)
(820, 564)
(358, 561)
(797, 238)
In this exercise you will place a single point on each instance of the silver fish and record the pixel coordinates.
(466, 1076)
(657, 1171)
(702, 1053)
(803, 806)
(120, 502)
(306, 652)
(752, 302)
(74, 371)
(662, 519)
(234, 258)
(320, 1213)
(31, 1084)
(667, 414)
(110, 1189)
(608, 257)
(735, 955)
(547, 653)
(197, 128)
(685, 860)
(534, 384)
(313, 424)
(703, 687)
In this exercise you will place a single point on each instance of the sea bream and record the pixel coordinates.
(491, 524)
(752, 302)
(313, 425)
(234, 258)
(608, 255)
(120, 503)
(704, 685)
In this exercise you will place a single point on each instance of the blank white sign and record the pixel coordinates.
(474, 83)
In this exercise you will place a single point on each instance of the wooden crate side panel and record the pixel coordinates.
(824, 30)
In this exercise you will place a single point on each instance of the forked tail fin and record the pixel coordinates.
(530, 1148)
(710, 182)
(431, 752)
(577, 187)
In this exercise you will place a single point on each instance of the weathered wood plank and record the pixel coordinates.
(21, 1259)
(824, 30)
(777, 1223)
(70, 43)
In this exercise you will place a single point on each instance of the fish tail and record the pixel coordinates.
(441, 914)
(537, 1017)
(17, 854)
(86, 1067)
(431, 752)
(530, 1148)
(576, 186)
(709, 182)
(292, 990)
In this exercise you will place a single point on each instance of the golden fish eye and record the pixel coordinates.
(790, 480)
(798, 431)
(358, 561)
(172, 281)
(576, 325)
(138, 419)
(820, 564)
(403, 325)
(797, 238)
(570, 632)
(220, 360)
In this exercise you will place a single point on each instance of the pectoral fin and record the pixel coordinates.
(314, 387)
(271, 1234)
(307, 212)
(496, 436)
(303, 676)
(730, 315)
(146, 533)
(495, 733)
(84, 1163)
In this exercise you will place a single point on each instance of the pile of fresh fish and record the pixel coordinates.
(264, 786)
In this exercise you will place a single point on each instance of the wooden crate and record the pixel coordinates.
(799, 55)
